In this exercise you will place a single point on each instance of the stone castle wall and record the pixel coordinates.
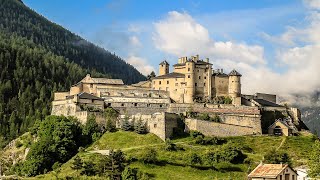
(160, 124)
(217, 129)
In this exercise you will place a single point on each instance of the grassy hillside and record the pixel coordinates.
(174, 164)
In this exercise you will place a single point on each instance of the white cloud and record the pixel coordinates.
(179, 34)
(140, 63)
(134, 41)
(314, 4)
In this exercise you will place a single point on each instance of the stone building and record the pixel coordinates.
(194, 79)
(191, 86)
(273, 172)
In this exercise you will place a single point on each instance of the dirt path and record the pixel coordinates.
(106, 151)
(284, 138)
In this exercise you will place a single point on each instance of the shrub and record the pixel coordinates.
(18, 144)
(96, 136)
(204, 116)
(216, 118)
(209, 140)
(56, 166)
(169, 146)
(77, 163)
(277, 157)
(226, 153)
(227, 100)
(195, 159)
(149, 157)
(195, 134)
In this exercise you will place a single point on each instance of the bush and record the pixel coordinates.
(195, 134)
(209, 140)
(77, 163)
(226, 153)
(149, 157)
(227, 100)
(18, 144)
(195, 159)
(277, 157)
(169, 146)
(56, 166)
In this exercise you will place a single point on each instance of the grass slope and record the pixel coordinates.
(173, 164)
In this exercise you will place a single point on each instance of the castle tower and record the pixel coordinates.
(234, 84)
(209, 79)
(190, 82)
(163, 68)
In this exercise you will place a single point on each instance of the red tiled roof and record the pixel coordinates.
(268, 170)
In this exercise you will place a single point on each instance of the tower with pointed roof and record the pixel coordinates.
(163, 68)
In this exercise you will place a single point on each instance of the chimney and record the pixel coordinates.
(180, 60)
(207, 60)
(197, 57)
(221, 70)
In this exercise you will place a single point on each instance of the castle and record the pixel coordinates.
(192, 86)
(193, 79)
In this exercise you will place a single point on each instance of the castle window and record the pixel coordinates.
(198, 70)
(204, 84)
(109, 104)
(155, 125)
(91, 85)
(161, 105)
(167, 82)
(195, 84)
(176, 84)
(135, 104)
(188, 76)
(122, 104)
(205, 77)
(199, 77)
(188, 69)
(159, 82)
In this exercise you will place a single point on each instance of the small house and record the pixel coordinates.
(280, 128)
(273, 171)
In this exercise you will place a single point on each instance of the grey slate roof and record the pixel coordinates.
(108, 81)
(170, 75)
(234, 73)
(164, 63)
(263, 102)
(220, 74)
(85, 95)
(199, 62)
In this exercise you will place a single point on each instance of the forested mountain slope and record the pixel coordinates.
(29, 76)
(37, 58)
(16, 18)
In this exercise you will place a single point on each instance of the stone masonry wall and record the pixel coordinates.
(217, 129)
(160, 124)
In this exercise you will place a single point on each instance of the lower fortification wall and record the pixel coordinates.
(160, 123)
(217, 129)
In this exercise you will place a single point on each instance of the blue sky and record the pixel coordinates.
(266, 40)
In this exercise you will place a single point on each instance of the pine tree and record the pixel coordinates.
(125, 124)
(140, 127)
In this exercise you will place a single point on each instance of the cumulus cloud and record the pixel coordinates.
(314, 4)
(179, 34)
(140, 63)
